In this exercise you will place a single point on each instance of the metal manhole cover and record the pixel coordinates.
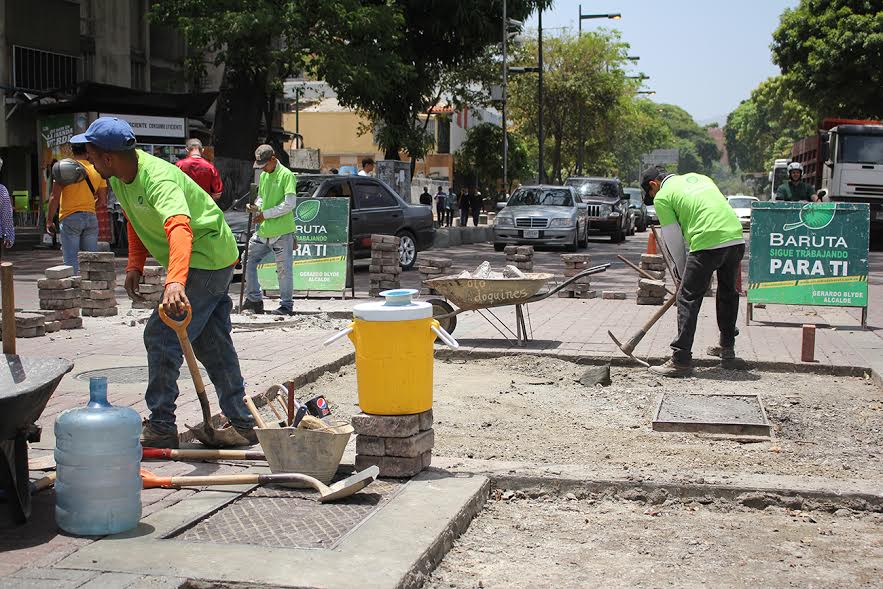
(127, 374)
(719, 414)
(288, 518)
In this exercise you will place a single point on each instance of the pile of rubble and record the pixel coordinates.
(652, 291)
(399, 445)
(385, 266)
(581, 287)
(485, 272)
(98, 283)
(151, 288)
(430, 268)
(520, 256)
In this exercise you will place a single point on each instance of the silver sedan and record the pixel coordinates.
(542, 215)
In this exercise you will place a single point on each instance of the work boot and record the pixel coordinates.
(672, 370)
(722, 352)
(256, 307)
(284, 311)
(151, 438)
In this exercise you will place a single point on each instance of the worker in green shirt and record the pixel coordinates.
(795, 189)
(174, 220)
(704, 236)
(277, 190)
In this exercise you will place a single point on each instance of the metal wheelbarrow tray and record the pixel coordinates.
(26, 385)
(483, 294)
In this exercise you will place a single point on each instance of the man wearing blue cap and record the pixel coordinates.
(174, 220)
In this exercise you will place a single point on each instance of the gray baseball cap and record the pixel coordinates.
(262, 155)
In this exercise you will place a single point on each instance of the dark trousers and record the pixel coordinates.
(440, 214)
(697, 275)
(475, 215)
(464, 217)
(449, 217)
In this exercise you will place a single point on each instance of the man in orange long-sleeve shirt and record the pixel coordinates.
(174, 220)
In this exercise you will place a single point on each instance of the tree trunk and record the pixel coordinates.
(241, 103)
(556, 157)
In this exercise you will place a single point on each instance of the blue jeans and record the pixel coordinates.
(283, 248)
(209, 333)
(79, 233)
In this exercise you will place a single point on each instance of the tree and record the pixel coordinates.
(480, 158)
(830, 53)
(260, 44)
(432, 52)
(697, 150)
(765, 126)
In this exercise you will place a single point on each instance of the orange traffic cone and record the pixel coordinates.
(651, 243)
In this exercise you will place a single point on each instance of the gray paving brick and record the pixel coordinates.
(112, 581)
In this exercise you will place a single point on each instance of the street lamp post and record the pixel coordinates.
(505, 88)
(541, 138)
(579, 129)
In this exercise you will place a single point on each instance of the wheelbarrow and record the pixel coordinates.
(26, 384)
(483, 294)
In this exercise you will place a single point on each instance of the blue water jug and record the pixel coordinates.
(98, 458)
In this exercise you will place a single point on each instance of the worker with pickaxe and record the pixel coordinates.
(174, 220)
(704, 236)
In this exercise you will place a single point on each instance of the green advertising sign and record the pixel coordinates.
(320, 257)
(809, 253)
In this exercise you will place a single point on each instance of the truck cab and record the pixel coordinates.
(778, 175)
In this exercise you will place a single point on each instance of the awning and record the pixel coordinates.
(89, 96)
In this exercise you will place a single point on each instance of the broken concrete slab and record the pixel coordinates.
(709, 413)
(596, 375)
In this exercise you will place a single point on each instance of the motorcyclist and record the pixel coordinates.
(795, 189)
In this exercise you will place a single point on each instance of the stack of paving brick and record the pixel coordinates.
(29, 324)
(430, 268)
(399, 445)
(385, 265)
(520, 256)
(581, 287)
(652, 291)
(99, 281)
(60, 299)
(153, 281)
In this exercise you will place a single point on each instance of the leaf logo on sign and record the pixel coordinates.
(814, 216)
(307, 211)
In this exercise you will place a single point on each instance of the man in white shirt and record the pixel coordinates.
(367, 167)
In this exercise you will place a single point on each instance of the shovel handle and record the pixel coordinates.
(170, 454)
(151, 481)
(8, 293)
(179, 326)
(254, 412)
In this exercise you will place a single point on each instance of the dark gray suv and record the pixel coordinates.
(374, 208)
(607, 205)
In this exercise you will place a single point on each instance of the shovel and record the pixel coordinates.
(205, 433)
(170, 454)
(339, 490)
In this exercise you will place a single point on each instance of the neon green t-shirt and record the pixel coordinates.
(272, 187)
(159, 191)
(694, 202)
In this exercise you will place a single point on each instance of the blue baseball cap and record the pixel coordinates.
(109, 134)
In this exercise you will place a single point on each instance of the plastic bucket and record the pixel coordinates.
(314, 452)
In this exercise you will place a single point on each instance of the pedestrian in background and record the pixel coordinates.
(76, 205)
(277, 190)
(475, 203)
(441, 208)
(367, 167)
(450, 205)
(201, 170)
(426, 198)
(463, 205)
(7, 226)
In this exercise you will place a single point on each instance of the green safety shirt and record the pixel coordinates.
(795, 192)
(272, 188)
(694, 202)
(160, 191)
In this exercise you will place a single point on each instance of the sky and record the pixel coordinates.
(705, 56)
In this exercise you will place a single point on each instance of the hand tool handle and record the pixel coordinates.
(290, 405)
(180, 329)
(170, 454)
(254, 412)
(641, 271)
(298, 417)
(445, 336)
(8, 285)
(151, 481)
(337, 336)
(636, 339)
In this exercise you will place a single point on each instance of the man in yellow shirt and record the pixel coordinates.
(79, 223)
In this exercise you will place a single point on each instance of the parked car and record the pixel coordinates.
(542, 215)
(374, 208)
(652, 219)
(742, 207)
(607, 205)
(638, 208)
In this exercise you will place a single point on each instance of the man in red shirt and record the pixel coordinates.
(201, 170)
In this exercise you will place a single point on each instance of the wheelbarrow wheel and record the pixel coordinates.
(442, 307)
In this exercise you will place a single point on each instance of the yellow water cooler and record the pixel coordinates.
(394, 353)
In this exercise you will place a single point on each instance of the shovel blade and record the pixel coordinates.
(218, 438)
(350, 485)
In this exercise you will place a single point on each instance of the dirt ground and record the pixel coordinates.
(575, 543)
(533, 409)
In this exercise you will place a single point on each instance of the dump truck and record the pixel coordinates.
(844, 160)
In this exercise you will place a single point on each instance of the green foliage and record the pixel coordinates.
(480, 158)
(697, 150)
(830, 53)
(764, 127)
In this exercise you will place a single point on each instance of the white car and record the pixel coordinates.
(742, 207)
